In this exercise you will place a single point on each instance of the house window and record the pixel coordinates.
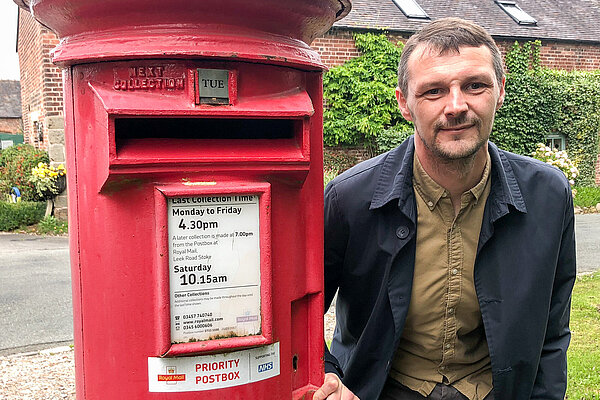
(515, 12)
(411, 9)
(556, 141)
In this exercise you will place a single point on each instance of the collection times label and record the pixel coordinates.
(214, 267)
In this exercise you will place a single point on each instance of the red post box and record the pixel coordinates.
(194, 146)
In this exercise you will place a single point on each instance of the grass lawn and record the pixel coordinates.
(584, 351)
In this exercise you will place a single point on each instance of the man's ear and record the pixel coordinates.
(402, 105)
(502, 94)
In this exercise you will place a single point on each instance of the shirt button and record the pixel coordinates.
(454, 271)
(430, 203)
(451, 311)
(447, 346)
(402, 232)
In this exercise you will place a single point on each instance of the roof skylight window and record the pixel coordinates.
(411, 9)
(515, 12)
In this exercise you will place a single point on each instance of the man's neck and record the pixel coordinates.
(456, 176)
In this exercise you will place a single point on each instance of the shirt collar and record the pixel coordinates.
(395, 180)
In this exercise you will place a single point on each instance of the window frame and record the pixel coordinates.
(404, 5)
(509, 6)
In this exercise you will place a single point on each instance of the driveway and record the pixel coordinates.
(35, 293)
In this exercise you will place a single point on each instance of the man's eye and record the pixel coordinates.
(476, 86)
(433, 92)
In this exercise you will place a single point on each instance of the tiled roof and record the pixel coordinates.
(562, 20)
(10, 99)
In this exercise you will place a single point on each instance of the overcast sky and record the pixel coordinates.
(9, 62)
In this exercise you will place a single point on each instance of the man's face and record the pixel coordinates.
(451, 99)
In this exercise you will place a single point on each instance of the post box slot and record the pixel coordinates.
(201, 128)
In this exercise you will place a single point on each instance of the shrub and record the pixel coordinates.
(393, 137)
(23, 213)
(338, 162)
(52, 226)
(360, 94)
(558, 159)
(16, 163)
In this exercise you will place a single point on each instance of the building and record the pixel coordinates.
(41, 87)
(569, 30)
(11, 125)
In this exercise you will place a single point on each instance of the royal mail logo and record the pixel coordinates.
(171, 377)
(265, 367)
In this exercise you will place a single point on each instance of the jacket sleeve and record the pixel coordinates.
(551, 378)
(336, 236)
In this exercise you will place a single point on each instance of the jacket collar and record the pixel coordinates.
(395, 182)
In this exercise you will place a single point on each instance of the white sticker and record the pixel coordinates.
(214, 267)
(188, 374)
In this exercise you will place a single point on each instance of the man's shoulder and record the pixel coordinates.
(525, 167)
(367, 175)
(365, 170)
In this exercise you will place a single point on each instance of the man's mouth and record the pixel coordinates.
(456, 127)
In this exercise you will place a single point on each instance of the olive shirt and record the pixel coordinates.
(443, 340)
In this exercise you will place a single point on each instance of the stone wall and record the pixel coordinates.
(56, 151)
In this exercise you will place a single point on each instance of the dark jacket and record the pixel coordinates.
(524, 271)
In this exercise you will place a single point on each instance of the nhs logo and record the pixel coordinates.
(265, 367)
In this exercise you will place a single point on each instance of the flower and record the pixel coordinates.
(557, 158)
(48, 180)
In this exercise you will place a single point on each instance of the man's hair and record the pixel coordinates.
(448, 35)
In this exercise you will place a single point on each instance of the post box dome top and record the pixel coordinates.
(274, 31)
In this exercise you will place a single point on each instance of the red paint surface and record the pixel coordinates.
(120, 177)
(274, 31)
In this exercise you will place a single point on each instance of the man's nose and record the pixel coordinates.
(456, 103)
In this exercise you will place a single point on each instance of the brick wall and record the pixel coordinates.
(337, 47)
(11, 125)
(41, 81)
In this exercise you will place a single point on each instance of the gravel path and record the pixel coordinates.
(47, 375)
(50, 374)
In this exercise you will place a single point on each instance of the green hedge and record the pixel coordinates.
(542, 101)
(23, 213)
(361, 107)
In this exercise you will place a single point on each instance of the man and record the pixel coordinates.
(453, 260)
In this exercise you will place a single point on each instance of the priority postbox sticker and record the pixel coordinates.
(214, 267)
(188, 374)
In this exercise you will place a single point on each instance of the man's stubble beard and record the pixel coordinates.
(458, 159)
